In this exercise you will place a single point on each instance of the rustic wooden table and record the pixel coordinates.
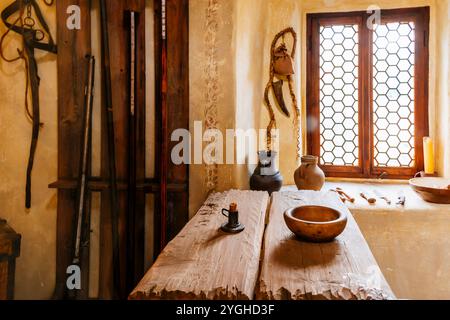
(265, 261)
(202, 262)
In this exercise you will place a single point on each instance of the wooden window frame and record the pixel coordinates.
(366, 169)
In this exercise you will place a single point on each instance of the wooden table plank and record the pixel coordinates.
(202, 262)
(292, 269)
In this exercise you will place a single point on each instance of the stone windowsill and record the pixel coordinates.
(392, 189)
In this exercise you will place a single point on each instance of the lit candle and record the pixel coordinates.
(428, 152)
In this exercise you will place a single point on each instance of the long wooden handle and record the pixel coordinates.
(111, 149)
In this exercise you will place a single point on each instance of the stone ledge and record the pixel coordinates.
(414, 204)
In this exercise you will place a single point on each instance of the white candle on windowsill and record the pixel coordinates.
(428, 155)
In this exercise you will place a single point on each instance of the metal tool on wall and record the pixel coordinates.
(108, 105)
(34, 33)
(82, 225)
(163, 165)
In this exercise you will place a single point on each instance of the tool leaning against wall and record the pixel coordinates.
(32, 38)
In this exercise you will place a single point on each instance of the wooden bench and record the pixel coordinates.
(204, 263)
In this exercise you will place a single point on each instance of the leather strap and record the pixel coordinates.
(30, 44)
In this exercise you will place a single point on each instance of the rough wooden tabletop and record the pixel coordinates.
(292, 269)
(202, 262)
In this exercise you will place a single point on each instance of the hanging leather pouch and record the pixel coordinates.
(283, 63)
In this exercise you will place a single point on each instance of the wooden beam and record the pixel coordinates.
(73, 46)
(178, 108)
(97, 184)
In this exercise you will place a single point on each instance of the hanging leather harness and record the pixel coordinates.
(32, 40)
(282, 67)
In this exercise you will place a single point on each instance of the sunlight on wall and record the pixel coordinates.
(254, 24)
(240, 51)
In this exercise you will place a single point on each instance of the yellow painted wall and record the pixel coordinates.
(212, 81)
(35, 273)
(244, 32)
(254, 24)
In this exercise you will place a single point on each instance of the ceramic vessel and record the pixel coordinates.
(266, 176)
(315, 223)
(309, 176)
(435, 190)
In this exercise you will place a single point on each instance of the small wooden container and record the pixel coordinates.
(9, 251)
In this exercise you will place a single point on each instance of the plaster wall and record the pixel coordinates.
(254, 24)
(238, 58)
(240, 101)
(35, 270)
(411, 249)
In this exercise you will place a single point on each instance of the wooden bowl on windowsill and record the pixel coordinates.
(430, 189)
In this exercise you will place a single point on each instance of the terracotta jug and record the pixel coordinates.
(309, 176)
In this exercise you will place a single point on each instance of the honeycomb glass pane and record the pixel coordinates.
(393, 94)
(338, 95)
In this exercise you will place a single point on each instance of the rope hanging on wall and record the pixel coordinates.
(33, 30)
(282, 69)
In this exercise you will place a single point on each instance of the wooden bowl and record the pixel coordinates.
(315, 223)
(435, 190)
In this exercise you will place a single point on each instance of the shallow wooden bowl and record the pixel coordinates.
(435, 190)
(315, 223)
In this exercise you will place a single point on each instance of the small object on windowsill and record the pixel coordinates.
(423, 174)
(401, 200)
(370, 200)
(382, 197)
(428, 155)
(233, 225)
(344, 194)
(342, 198)
(383, 175)
(432, 189)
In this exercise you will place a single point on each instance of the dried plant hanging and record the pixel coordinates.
(282, 70)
